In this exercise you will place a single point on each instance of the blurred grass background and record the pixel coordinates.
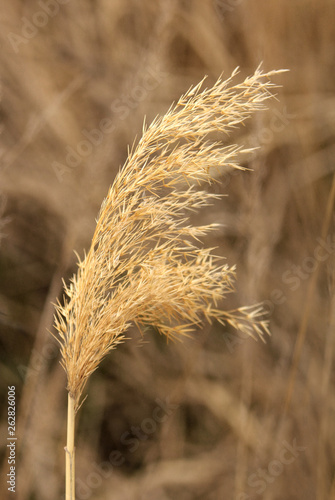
(233, 407)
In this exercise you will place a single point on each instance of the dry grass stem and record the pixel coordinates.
(144, 266)
(75, 87)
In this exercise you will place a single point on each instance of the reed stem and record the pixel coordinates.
(70, 452)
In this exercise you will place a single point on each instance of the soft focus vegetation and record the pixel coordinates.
(219, 415)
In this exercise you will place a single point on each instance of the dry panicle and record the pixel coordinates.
(144, 266)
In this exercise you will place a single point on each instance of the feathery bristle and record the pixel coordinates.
(144, 266)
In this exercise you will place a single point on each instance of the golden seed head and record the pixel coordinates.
(144, 265)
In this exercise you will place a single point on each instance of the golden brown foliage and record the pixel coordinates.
(230, 390)
(144, 265)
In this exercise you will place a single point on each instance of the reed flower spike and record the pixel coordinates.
(145, 265)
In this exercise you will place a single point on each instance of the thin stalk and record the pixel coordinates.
(70, 451)
(308, 304)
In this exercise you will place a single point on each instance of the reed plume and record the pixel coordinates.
(145, 265)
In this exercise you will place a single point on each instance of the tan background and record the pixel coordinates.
(238, 406)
